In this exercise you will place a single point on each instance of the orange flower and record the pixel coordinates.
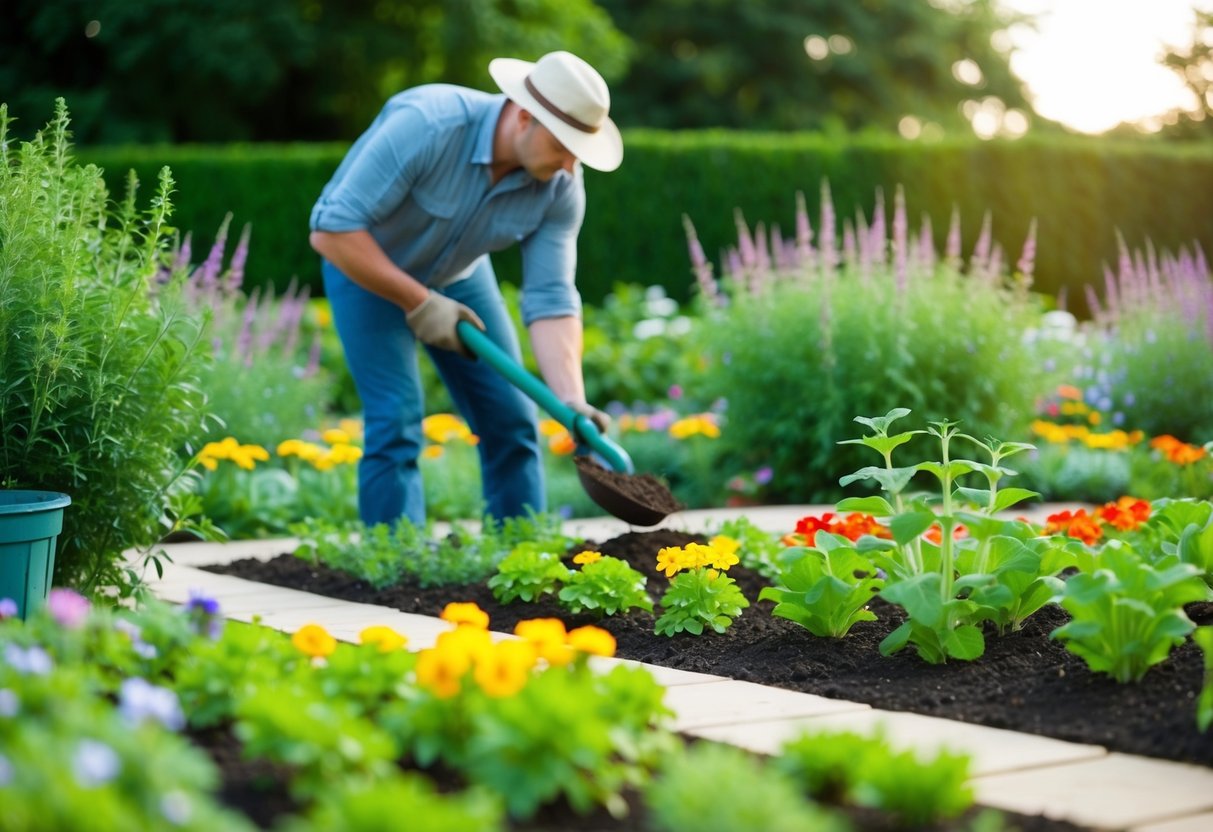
(562, 444)
(314, 640)
(1078, 524)
(935, 533)
(592, 640)
(807, 528)
(469, 613)
(1181, 453)
(1126, 514)
(856, 525)
(1069, 391)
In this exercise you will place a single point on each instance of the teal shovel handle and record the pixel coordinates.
(576, 423)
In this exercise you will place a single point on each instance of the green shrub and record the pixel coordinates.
(100, 360)
(796, 350)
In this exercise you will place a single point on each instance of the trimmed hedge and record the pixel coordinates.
(1081, 190)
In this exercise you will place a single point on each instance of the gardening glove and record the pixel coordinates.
(434, 321)
(601, 420)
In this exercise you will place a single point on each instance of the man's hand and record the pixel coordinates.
(601, 420)
(433, 321)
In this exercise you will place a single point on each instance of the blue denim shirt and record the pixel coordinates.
(419, 181)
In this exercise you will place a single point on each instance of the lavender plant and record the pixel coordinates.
(100, 363)
(801, 333)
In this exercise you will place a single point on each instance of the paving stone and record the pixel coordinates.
(735, 703)
(1114, 792)
(1202, 822)
(665, 676)
(992, 750)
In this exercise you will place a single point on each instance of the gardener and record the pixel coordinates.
(443, 176)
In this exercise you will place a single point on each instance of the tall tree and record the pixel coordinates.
(810, 64)
(221, 70)
(1194, 65)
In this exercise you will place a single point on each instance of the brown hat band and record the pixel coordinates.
(556, 111)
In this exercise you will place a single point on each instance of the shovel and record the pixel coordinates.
(602, 485)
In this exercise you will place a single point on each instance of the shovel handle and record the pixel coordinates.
(579, 425)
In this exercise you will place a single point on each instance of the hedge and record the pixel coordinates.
(1082, 191)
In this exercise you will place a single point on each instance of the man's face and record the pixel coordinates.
(540, 153)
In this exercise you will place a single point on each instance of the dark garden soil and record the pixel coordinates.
(1024, 682)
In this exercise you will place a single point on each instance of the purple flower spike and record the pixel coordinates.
(68, 607)
(8, 608)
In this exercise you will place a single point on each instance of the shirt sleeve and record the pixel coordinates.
(549, 258)
(376, 175)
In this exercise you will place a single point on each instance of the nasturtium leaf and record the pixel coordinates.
(906, 527)
(875, 505)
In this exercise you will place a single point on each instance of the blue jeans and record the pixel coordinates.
(381, 353)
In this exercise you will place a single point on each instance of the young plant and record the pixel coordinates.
(826, 588)
(867, 771)
(1203, 636)
(759, 549)
(1126, 615)
(604, 585)
(700, 594)
(361, 806)
(528, 572)
(744, 793)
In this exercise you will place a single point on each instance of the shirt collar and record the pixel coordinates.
(482, 153)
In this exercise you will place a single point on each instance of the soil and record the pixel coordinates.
(639, 499)
(1024, 682)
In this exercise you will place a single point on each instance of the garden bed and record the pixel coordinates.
(1025, 681)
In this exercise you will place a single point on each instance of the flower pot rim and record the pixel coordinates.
(31, 502)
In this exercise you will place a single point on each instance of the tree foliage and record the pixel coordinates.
(223, 70)
(720, 63)
(1194, 65)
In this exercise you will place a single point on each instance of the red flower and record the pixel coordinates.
(935, 533)
(1078, 524)
(1126, 514)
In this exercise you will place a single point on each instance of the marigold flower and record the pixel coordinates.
(432, 452)
(550, 427)
(336, 436)
(548, 635)
(314, 640)
(465, 613)
(342, 454)
(592, 640)
(562, 444)
(670, 560)
(702, 424)
(935, 533)
(1078, 524)
(583, 558)
(385, 638)
(307, 451)
(440, 671)
(1069, 391)
(441, 428)
(504, 670)
(467, 641)
(1126, 514)
(725, 552)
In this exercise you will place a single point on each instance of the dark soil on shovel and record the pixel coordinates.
(1025, 681)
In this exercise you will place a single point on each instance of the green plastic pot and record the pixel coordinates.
(30, 522)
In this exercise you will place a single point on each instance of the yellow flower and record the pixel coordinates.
(587, 557)
(698, 555)
(550, 427)
(322, 314)
(689, 426)
(342, 454)
(440, 671)
(469, 613)
(314, 640)
(352, 427)
(725, 550)
(441, 428)
(562, 444)
(670, 560)
(637, 424)
(387, 639)
(336, 436)
(247, 456)
(593, 640)
(432, 452)
(471, 642)
(504, 670)
(307, 451)
(548, 635)
(208, 463)
(1094, 417)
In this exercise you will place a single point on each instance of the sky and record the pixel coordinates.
(1093, 63)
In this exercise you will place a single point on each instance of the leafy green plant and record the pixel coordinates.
(604, 585)
(359, 806)
(1126, 615)
(867, 771)
(825, 589)
(700, 593)
(1203, 636)
(744, 793)
(759, 549)
(529, 571)
(101, 360)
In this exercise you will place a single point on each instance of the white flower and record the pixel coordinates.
(94, 763)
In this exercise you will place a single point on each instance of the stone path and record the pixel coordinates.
(1083, 784)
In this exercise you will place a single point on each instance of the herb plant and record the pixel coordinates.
(528, 572)
(361, 806)
(99, 360)
(700, 593)
(826, 589)
(604, 585)
(1126, 615)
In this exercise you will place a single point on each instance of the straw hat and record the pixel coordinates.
(570, 99)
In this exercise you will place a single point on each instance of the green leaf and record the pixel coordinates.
(875, 505)
(884, 445)
(955, 468)
(1008, 497)
(907, 527)
(896, 640)
(880, 424)
(965, 643)
(892, 480)
(919, 596)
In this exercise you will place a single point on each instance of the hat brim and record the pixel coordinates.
(600, 150)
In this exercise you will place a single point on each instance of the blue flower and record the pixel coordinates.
(140, 701)
(8, 608)
(10, 705)
(95, 763)
(28, 661)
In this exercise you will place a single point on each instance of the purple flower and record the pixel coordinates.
(10, 706)
(675, 391)
(662, 419)
(140, 701)
(764, 475)
(200, 603)
(203, 613)
(68, 607)
(28, 661)
(8, 608)
(95, 763)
